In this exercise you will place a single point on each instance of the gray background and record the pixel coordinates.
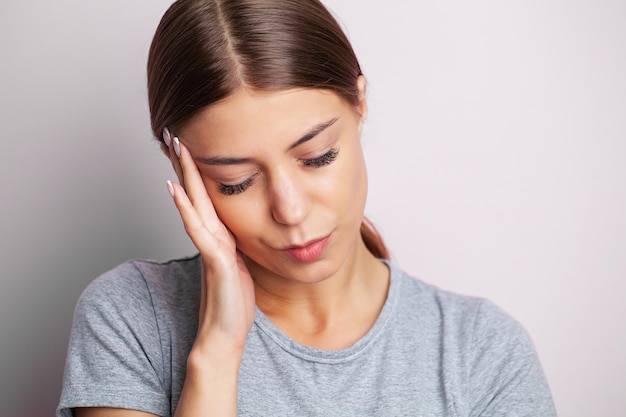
(496, 143)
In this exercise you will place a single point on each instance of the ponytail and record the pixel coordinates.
(373, 240)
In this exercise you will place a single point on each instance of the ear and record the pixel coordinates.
(361, 85)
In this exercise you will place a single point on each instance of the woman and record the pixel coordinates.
(291, 307)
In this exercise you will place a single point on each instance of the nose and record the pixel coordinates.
(289, 203)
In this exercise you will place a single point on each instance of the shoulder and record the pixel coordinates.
(131, 331)
(139, 291)
(472, 318)
(138, 279)
(429, 302)
(484, 351)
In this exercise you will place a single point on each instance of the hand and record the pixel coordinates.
(227, 299)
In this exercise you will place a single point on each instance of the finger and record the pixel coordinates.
(167, 149)
(200, 235)
(176, 165)
(196, 190)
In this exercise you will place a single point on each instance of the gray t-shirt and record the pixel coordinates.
(429, 353)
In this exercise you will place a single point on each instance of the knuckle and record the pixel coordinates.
(194, 228)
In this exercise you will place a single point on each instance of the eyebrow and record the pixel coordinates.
(235, 161)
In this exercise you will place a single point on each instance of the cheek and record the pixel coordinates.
(238, 213)
(354, 177)
(238, 217)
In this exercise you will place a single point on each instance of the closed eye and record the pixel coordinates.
(326, 159)
(236, 188)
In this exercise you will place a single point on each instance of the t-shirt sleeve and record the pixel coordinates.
(115, 356)
(505, 376)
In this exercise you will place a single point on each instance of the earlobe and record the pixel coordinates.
(361, 84)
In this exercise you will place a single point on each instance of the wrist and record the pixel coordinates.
(212, 355)
(211, 382)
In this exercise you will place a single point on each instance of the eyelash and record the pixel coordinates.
(326, 159)
(236, 188)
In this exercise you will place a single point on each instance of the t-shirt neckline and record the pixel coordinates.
(312, 354)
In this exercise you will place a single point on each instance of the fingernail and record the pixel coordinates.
(167, 138)
(170, 188)
(177, 146)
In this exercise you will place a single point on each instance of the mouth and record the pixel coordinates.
(309, 252)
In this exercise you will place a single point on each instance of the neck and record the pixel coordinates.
(331, 313)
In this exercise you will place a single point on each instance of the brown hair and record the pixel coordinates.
(204, 50)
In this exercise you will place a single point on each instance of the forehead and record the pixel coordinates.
(251, 114)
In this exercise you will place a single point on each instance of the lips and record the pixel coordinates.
(310, 252)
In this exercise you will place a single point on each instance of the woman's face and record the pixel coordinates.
(286, 174)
